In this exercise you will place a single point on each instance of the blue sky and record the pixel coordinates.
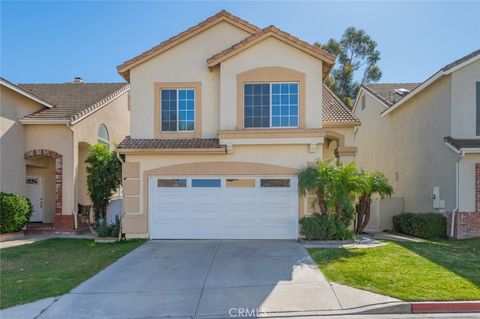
(56, 41)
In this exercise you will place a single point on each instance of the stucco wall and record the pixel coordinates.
(13, 106)
(291, 156)
(467, 182)
(464, 100)
(57, 138)
(116, 117)
(409, 141)
(370, 138)
(186, 62)
(261, 55)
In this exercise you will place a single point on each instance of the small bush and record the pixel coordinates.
(423, 225)
(403, 223)
(15, 212)
(108, 230)
(324, 227)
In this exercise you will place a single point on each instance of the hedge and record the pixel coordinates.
(324, 227)
(15, 212)
(423, 225)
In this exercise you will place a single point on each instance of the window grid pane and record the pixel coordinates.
(178, 110)
(186, 110)
(257, 105)
(284, 104)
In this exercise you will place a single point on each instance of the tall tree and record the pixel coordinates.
(355, 51)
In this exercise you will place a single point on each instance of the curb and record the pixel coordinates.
(445, 306)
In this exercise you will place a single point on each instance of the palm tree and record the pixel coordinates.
(347, 184)
(317, 180)
(375, 183)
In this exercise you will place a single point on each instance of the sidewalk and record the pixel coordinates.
(34, 238)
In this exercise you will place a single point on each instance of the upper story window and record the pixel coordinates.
(270, 105)
(178, 110)
(478, 108)
(103, 137)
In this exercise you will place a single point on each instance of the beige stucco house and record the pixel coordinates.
(426, 138)
(223, 117)
(46, 132)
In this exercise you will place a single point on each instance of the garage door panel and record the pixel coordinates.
(222, 213)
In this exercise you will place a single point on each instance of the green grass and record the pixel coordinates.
(53, 267)
(432, 270)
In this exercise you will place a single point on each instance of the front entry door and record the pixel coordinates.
(35, 194)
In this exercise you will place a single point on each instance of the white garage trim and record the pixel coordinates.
(222, 212)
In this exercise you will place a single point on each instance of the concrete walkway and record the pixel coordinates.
(34, 238)
(208, 278)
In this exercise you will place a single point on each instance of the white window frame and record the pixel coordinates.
(101, 140)
(272, 127)
(178, 110)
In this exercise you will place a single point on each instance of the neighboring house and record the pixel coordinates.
(426, 138)
(223, 117)
(46, 132)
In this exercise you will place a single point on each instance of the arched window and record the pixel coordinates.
(103, 137)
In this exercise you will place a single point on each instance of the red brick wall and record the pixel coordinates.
(467, 224)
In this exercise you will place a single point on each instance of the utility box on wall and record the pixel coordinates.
(382, 212)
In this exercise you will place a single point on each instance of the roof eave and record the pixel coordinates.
(223, 16)
(427, 83)
(171, 151)
(44, 121)
(340, 124)
(25, 93)
(327, 59)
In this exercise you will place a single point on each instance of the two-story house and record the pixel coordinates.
(426, 138)
(223, 117)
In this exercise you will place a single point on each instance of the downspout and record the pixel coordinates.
(457, 192)
(75, 213)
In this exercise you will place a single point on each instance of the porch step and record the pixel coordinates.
(47, 228)
(39, 228)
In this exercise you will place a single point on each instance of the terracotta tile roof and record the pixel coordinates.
(460, 143)
(335, 111)
(156, 143)
(72, 100)
(328, 59)
(220, 16)
(385, 92)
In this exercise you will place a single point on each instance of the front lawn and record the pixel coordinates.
(435, 270)
(53, 267)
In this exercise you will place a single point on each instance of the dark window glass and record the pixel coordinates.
(478, 108)
(169, 110)
(257, 105)
(172, 182)
(206, 183)
(278, 182)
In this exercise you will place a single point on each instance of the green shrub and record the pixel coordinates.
(109, 230)
(324, 227)
(423, 225)
(403, 223)
(15, 211)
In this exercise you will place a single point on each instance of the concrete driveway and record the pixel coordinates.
(209, 278)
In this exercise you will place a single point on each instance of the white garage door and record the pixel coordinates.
(223, 207)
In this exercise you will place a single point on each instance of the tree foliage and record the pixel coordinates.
(375, 183)
(343, 190)
(355, 51)
(104, 176)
